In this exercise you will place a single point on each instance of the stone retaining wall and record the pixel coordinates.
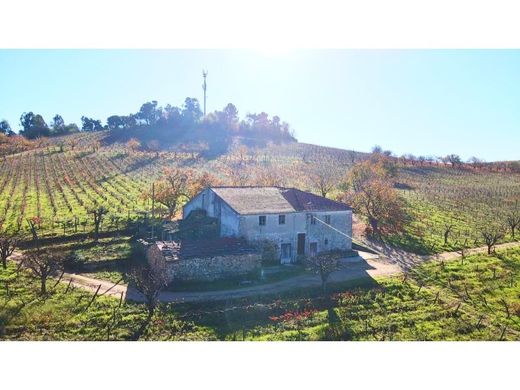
(205, 268)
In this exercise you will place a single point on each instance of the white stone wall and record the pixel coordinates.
(300, 223)
(215, 207)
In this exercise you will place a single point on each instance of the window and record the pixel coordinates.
(326, 241)
(327, 219)
(281, 220)
(313, 220)
(261, 220)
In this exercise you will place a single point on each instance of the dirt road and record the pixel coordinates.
(364, 266)
(352, 269)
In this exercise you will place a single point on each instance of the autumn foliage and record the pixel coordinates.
(178, 185)
(370, 192)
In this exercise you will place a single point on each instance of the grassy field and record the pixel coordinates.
(474, 299)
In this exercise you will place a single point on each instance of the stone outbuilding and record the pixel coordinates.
(205, 259)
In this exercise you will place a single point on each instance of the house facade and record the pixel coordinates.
(298, 223)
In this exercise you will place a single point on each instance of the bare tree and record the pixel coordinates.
(322, 177)
(448, 228)
(73, 142)
(476, 162)
(323, 265)
(513, 220)
(492, 234)
(98, 214)
(43, 264)
(149, 282)
(8, 244)
(453, 159)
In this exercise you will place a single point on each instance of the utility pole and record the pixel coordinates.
(204, 86)
(153, 209)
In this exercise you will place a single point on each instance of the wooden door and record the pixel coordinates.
(301, 243)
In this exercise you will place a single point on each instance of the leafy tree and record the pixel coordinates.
(173, 115)
(171, 189)
(129, 121)
(370, 192)
(58, 124)
(71, 128)
(191, 112)
(43, 263)
(196, 183)
(5, 128)
(90, 124)
(150, 113)
(230, 116)
(115, 122)
(377, 149)
(33, 125)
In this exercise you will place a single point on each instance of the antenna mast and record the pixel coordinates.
(204, 87)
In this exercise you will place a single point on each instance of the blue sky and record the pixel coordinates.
(425, 102)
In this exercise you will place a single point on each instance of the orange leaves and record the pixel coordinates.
(370, 192)
(294, 317)
(177, 185)
(133, 144)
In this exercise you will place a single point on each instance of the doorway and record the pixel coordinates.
(285, 253)
(301, 244)
(313, 249)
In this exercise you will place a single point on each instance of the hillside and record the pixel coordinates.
(59, 183)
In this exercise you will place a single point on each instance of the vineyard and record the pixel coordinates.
(60, 187)
(60, 180)
(455, 200)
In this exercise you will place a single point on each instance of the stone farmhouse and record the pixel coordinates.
(298, 223)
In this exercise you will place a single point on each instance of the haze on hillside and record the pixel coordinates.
(424, 102)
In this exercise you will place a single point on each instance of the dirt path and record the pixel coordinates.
(352, 269)
(364, 266)
(406, 260)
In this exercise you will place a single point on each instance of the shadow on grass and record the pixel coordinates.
(236, 319)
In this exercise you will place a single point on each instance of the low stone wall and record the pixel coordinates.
(205, 268)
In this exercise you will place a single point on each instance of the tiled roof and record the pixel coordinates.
(259, 200)
(185, 249)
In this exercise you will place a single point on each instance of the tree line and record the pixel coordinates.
(185, 120)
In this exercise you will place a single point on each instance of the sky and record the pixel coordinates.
(424, 102)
